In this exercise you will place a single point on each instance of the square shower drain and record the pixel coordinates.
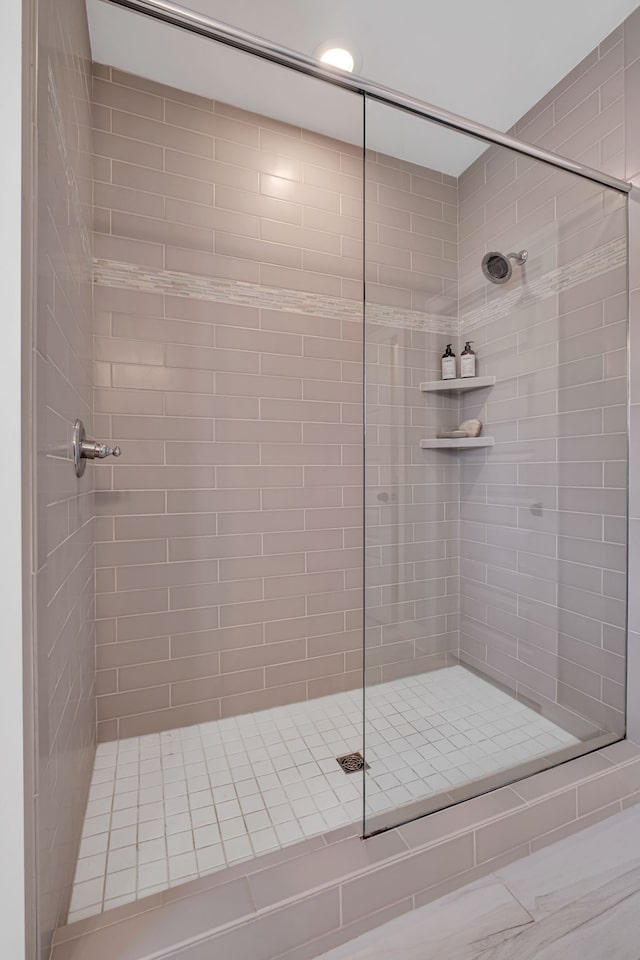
(352, 762)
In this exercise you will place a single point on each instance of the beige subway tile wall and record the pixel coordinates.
(63, 557)
(543, 532)
(411, 520)
(228, 333)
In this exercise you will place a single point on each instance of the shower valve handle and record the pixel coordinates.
(93, 450)
(83, 449)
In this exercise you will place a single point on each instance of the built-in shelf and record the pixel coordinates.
(457, 386)
(456, 443)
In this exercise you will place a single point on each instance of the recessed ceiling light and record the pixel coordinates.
(338, 57)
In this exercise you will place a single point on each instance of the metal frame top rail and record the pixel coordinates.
(198, 23)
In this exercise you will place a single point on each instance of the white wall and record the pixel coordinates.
(11, 700)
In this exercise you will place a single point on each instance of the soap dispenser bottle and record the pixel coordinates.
(448, 364)
(468, 361)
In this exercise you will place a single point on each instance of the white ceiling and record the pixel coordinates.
(490, 61)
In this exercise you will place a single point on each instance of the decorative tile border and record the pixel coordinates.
(111, 273)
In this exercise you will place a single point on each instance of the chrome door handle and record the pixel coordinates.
(83, 449)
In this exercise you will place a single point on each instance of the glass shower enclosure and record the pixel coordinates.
(334, 589)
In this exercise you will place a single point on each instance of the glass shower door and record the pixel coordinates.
(495, 562)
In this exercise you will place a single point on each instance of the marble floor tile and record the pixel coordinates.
(435, 932)
(576, 900)
(601, 924)
(557, 875)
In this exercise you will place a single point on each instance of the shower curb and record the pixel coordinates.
(311, 897)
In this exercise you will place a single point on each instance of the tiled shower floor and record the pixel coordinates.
(170, 807)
